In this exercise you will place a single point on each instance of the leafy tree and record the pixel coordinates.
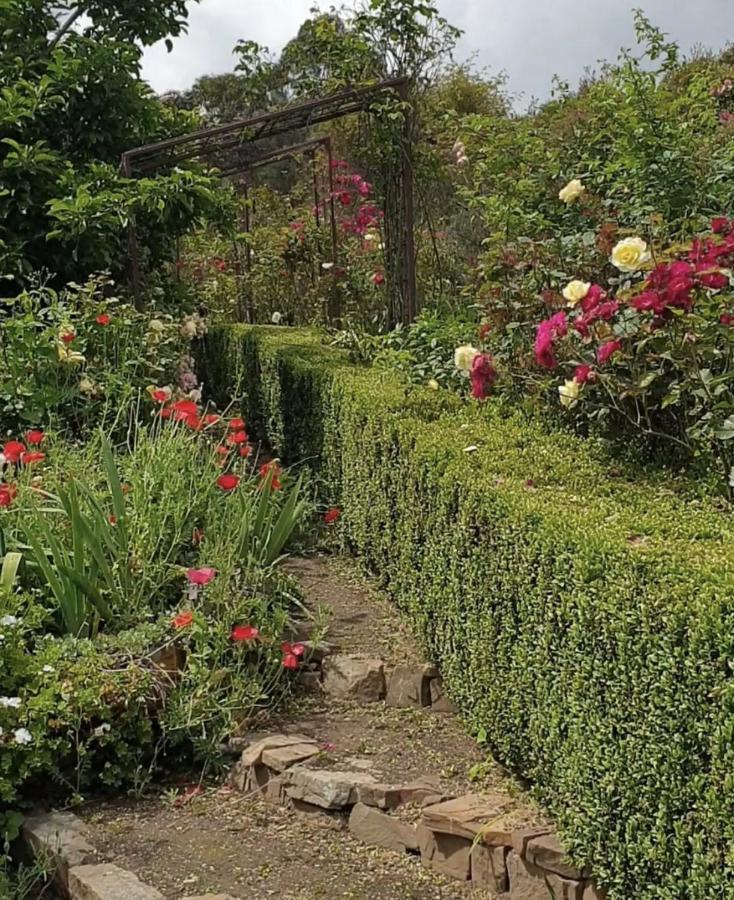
(71, 101)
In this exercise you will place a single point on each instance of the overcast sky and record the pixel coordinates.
(531, 40)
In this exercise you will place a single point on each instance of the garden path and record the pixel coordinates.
(222, 841)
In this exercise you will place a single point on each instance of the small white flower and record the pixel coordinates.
(276, 318)
(327, 265)
(2, 638)
(48, 669)
(102, 729)
(10, 702)
(22, 736)
(9, 621)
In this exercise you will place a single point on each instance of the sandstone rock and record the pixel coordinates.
(321, 787)
(511, 828)
(383, 796)
(522, 836)
(377, 829)
(593, 892)
(408, 686)
(354, 678)
(211, 897)
(61, 839)
(419, 792)
(546, 852)
(465, 816)
(253, 754)
(489, 868)
(448, 854)
(437, 699)
(528, 882)
(282, 758)
(108, 882)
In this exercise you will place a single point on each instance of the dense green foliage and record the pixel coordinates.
(581, 619)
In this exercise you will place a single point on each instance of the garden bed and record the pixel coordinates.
(582, 619)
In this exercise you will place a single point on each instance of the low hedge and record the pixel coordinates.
(583, 620)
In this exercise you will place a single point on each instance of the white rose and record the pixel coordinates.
(568, 393)
(573, 190)
(575, 291)
(464, 357)
(22, 736)
(631, 254)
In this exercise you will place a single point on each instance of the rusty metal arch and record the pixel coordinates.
(243, 136)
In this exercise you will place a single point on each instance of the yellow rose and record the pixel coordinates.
(575, 291)
(568, 393)
(464, 357)
(573, 190)
(631, 255)
(70, 357)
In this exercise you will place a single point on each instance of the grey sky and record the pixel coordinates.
(530, 39)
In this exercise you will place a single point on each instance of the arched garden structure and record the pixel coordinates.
(236, 148)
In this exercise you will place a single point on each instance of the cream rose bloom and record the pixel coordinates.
(433, 384)
(86, 386)
(575, 291)
(568, 393)
(573, 190)
(631, 254)
(464, 357)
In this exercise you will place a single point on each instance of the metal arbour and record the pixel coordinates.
(215, 145)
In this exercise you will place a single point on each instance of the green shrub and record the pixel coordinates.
(583, 619)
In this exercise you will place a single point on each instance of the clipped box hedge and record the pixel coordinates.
(583, 621)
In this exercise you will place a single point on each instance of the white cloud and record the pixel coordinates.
(531, 39)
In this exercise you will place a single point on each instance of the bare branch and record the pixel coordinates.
(74, 15)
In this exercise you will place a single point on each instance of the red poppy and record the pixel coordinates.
(161, 395)
(166, 412)
(236, 424)
(68, 336)
(201, 576)
(294, 649)
(13, 451)
(244, 633)
(191, 421)
(222, 450)
(103, 319)
(332, 515)
(211, 419)
(32, 456)
(228, 482)
(238, 437)
(290, 661)
(219, 264)
(185, 408)
(8, 493)
(246, 450)
(35, 437)
(183, 620)
(378, 278)
(266, 469)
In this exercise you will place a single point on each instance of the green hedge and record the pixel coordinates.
(584, 622)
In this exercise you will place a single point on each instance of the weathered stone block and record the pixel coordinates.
(60, 839)
(465, 816)
(324, 788)
(408, 687)
(383, 796)
(377, 829)
(522, 836)
(546, 852)
(253, 754)
(354, 678)
(282, 758)
(448, 854)
(489, 867)
(437, 699)
(108, 882)
(528, 882)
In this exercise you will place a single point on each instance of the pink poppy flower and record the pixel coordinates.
(201, 576)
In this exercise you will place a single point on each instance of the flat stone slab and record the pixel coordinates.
(465, 816)
(377, 829)
(253, 754)
(60, 838)
(354, 678)
(108, 882)
(408, 687)
(329, 790)
(282, 758)
(210, 897)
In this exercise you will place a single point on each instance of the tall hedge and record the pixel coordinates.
(582, 619)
